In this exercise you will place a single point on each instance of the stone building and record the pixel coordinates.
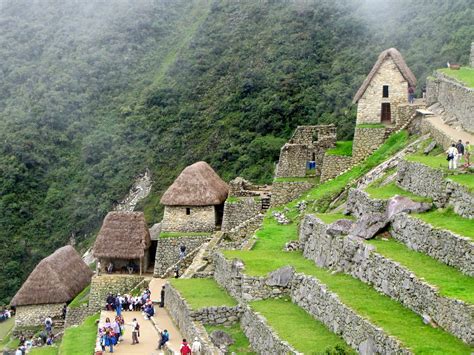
(308, 143)
(54, 282)
(124, 241)
(195, 200)
(385, 88)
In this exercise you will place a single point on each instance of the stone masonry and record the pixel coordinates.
(333, 165)
(286, 191)
(75, 316)
(34, 315)
(199, 219)
(102, 285)
(237, 212)
(366, 141)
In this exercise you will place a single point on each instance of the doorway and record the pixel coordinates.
(386, 113)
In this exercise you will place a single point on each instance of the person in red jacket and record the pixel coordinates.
(185, 349)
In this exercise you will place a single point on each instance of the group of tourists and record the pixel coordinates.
(119, 303)
(5, 314)
(111, 333)
(457, 152)
(45, 337)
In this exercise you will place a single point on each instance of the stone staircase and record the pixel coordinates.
(203, 257)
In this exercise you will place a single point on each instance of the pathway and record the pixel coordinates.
(451, 132)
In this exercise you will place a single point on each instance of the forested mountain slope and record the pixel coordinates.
(93, 92)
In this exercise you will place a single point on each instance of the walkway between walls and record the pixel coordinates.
(451, 132)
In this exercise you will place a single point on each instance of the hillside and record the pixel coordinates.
(90, 96)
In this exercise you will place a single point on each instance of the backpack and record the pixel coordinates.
(137, 327)
(185, 349)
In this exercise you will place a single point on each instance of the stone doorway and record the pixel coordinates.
(386, 116)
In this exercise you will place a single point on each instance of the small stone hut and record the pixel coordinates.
(385, 88)
(55, 281)
(195, 200)
(123, 240)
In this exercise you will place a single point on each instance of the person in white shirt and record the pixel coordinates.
(196, 348)
(452, 157)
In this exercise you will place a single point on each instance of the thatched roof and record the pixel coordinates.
(197, 185)
(399, 62)
(57, 278)
(123, 235)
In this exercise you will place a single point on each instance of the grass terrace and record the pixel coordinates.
(201, 293)
(433, 161)
(80, 340)
(466, 180)
(5, 329)
(49, 350)
(464, 75)
(388, 191)
(341, 148)
(184, 234)
(448, 220)
(241, 345)
(298, 328)
(81, 299)
(449, 281)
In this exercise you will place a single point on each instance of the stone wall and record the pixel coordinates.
(222, 315)
(359, 259)
(242, 232)
(443, 245)
(366, 141)
(167, 250)
(262, 337)
(369, 105)
(75, 316)
(425, 181)
(34, 315)
(236, 212)
(285, 191)
(404, 113)
(456, 99)
(359, 203)
(180, 312)
(102, 285)
(441, 137)
(229, 274)
(314, 297)
(333, 165)
(200, 219)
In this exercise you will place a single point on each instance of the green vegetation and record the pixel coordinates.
(466, 180)
(184, 234)
(437, 161)
(447, 219)
(47, 350)
(232, 199)
(5, 328)
(81, 299)
(387, 191)
(329, 218)
(342, 148)
(241, 345)
(80, 340)
(370, 125)
(200, 293)
(449, 281)
(298, 328)
(464, 75)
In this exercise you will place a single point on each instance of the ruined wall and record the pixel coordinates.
(34, 315)
(75, 316)
(369, 105)
(441, 137)
(236, 212)
(167, 250)
(102, 285)
(242, 232)
(200, 219)
(360, 203)
(286, 191)
(455, 97)
(443, 245)
(366, 141)
(333, 165)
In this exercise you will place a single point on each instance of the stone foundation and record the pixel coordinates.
(284, 192)
(29, 317)
(199, 219)
(102, 285)
(334, 165)
(366, 141)
(168, 249)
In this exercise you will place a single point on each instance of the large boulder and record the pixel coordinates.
(340, 227)
(369, 225)
(398, 204)
(221, 339)
(281, 277)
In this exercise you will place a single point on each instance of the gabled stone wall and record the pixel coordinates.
(200, 219)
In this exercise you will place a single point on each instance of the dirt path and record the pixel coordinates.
(451, 132)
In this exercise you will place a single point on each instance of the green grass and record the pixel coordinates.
(370, 125)
(387, 191)
(329, 218)
(464, 75)
(81, 299)
(241, 345)
(232, 199)
(80, 340)
(436, 161)
(5, 328)
(447, 219)
(46, 350)
(182, 234)
(342, 148)
(200, 293)
(295, 179)
(297, 327)
(450, 282)
(466, 180)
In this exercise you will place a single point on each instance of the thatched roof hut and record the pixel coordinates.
(197, 185)
(402, 66)
(123, 235)
(57, 278)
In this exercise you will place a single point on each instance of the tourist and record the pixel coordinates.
(63, 316)
(29, 344)
(97, 267)
(110, 268)
(162, 297)
(451, 158)
(411, 94)
(460, 154)
(135, 331)
(182, 251)
(110, 339)
(48, 324)
(149, 311)
(117, 330)
(468, 152)
(102, 337)
(22, 339)
(196, 348)
(50, 340)
(118, 305)
(185, 349)
(176, 271)
(19, 351)
(423, 91)
(110, 302)
(165, 337)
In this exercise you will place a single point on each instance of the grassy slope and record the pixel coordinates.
(5, 328)
(465, 75)
(241, 345)
(387, 191)
(466, 180)
(296, 326)
(447, 219)
(81, 299)
(341, 148)
(45, 350)
(80, 340)
(200, 293)
(449, 281)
